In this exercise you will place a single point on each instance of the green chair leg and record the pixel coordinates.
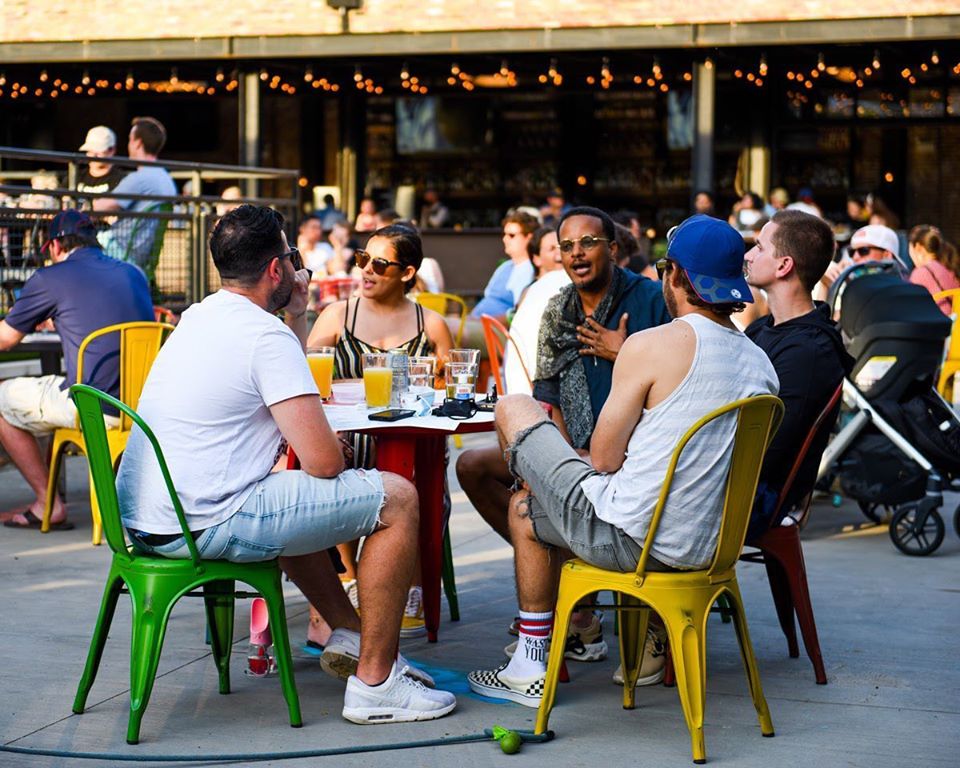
(449, 578)
(272, 591)
(726, 610)
(108, 607)
(219, 600)
(152, 601)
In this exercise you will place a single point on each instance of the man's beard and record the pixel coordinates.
(281, 296)
(669, 298)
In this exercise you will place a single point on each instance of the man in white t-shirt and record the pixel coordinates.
(228, 392)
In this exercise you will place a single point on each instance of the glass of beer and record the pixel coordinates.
(461, 381)
(377, 379)
(320, 360)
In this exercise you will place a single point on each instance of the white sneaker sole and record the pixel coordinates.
(594, 652)
(385, 715)
(509, 694)
(414, 631)
(653, 679)
(339, 664)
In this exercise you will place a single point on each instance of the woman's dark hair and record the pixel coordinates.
(931, 239)
(407, 247)
(609, 228)
(243, 242)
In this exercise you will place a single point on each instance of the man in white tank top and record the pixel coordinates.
(664, 380)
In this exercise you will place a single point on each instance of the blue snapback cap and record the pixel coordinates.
(711, 253)
(69, 222)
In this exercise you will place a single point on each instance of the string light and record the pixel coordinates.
(43, 76)
(763, 65)
(219, 76)
(876, 59)
(934, 57)
(85, 80)
(821, 64)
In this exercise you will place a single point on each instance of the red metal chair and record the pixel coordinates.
(779, 549)
(496, 336)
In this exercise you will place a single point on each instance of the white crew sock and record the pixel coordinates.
(530, 659)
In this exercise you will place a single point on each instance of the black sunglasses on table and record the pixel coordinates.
(380, 266)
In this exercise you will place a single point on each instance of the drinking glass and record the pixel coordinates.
(377, 379)
(461, 381)
(320, 360)
(471, 356)
(416, 364)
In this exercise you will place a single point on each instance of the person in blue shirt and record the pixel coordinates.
(82, 291)
(510, 278)
(132, 239)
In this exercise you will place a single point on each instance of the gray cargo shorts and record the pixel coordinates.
(562, 516)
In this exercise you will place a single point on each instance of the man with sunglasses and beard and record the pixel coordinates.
(599, 508)
(581, 333)
(229, 390)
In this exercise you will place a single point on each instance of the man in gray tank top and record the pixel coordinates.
(599, 508)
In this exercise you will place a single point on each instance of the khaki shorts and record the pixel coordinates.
(37, 404)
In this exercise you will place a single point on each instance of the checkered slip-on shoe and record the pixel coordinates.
(496, 685)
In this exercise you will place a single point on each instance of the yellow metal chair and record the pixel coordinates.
(438, 302)
(139, 344)
(682, 599)
(951, 363)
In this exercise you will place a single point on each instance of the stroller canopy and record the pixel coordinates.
(886, 305)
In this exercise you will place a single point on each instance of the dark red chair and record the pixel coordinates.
(779, 549)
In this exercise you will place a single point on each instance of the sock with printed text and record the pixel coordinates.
(530, 660)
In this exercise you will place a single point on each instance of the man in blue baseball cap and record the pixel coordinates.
(82, 290)
(599, 508)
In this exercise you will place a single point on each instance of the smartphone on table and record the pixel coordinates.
(391, 414)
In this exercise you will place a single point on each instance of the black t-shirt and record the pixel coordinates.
(100, 184)
(810, 360)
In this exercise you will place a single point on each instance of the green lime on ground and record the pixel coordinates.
(510, 742)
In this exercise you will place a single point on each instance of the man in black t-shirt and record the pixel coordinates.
(790, 256)
(99, 177)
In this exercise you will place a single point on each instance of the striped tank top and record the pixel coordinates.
(350, 350)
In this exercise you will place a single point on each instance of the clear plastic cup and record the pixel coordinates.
(461, 381)
(471, 356)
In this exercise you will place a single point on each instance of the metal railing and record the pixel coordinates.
(167, 238)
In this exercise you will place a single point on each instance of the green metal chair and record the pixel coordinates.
(156, 583)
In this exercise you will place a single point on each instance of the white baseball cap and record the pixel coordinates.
(878, 236)
(99, 139)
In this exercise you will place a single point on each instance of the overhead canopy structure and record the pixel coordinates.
(45, 31)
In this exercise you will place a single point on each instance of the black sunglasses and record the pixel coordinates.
(379, 265)
(865, 250)
(661, 267)
(293, 254)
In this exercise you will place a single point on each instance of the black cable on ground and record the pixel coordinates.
(528, 737)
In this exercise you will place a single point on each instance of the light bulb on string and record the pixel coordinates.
(264, 75)
(763, 65)
(934, 57)
(404, 72)
(85, 80)
(876, 59)
(821, 64)
(174, 77)
(44, 76)
(708, 63)
(504, 68)
(219, 76)
(308, 74)
(357, 74)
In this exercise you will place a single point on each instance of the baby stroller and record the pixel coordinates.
(899, 445)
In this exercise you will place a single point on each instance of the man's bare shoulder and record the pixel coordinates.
(656, 339)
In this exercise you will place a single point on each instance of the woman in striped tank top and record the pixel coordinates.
(381, 318)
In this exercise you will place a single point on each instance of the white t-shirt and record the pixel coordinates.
(525, 331)
(207, 401)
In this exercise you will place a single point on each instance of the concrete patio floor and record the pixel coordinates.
(888, 627)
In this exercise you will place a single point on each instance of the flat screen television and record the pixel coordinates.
(433, 125)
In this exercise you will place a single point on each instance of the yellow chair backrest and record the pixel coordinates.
(757, 420)
(139, 344)
(953, 349)
(438, 303)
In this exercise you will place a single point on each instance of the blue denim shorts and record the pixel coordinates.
(289, 513)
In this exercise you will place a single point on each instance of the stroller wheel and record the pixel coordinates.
(878, 513)
(915, 532)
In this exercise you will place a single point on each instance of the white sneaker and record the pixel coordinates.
(495, 684)
(341, 655)
(400, 699)
(353, 593)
